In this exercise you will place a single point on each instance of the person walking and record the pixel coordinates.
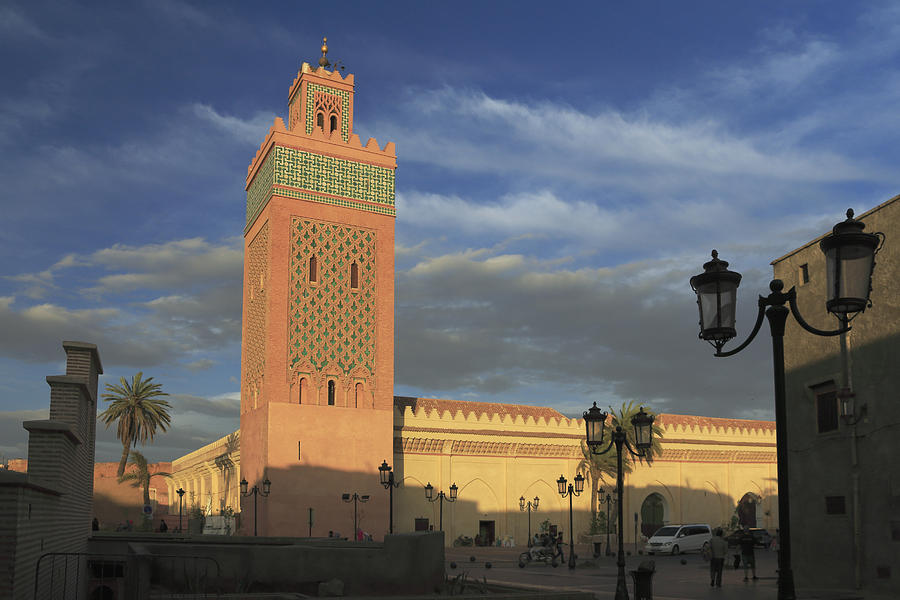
(718, 549)
(559, 550)
(747, 542)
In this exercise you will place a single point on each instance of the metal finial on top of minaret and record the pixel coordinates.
(323, 62)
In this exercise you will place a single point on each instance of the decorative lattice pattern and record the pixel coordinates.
(335, 176)
(261, 187)
(331, 326)
(348, 180)
(255, 299)
(344, 96)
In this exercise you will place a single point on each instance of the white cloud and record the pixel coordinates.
(250, 131)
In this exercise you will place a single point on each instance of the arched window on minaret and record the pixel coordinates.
(334, 123)
(304, 391)
(320, 121)
(360, 391)
(331, 392)
(354, 276)
(313, 274)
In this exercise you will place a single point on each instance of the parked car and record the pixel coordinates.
(675, 539)
(761, 538)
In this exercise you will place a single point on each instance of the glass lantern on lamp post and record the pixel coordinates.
(570, 491)
(642, 424)
(255, 491)
(850, 261)
(429, 495)
(529, 505)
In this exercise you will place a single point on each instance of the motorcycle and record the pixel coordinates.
(544, 554)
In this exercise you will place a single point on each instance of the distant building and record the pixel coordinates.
(318, 414)
(844, 470)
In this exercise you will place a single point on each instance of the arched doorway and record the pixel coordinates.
(747, 508)
(653, 513)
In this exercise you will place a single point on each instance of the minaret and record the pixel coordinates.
(317, 354)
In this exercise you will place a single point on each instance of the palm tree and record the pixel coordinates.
(139, 411)
(141, 475)
(600, 467)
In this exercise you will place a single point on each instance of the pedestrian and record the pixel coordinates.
(718, 549)
(747, 542)
(331, 533)
(95, 525)
(559, 550)
(162, 526)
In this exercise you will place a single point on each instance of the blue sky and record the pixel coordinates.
(563, 170)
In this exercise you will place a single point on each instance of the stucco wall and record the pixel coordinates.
(863, 544)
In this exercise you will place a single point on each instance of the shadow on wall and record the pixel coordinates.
(477, 513)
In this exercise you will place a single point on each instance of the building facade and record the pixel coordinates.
(317, 358)
(845, 477)
(318, 415)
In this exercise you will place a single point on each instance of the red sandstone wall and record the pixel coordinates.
(115, 502)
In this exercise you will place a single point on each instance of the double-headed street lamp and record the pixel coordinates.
(355, 499)
(571, 491)
(608, 500)
(594, 420)
(180, 493)
(850, 260)
(530, 505)
(429, 495)
(387, 480)
(267, 485)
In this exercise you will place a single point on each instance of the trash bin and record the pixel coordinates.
(643, 580)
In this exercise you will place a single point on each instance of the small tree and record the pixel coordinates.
(140, 476)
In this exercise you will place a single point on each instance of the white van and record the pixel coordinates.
(675, 539)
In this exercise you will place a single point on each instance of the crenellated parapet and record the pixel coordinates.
(490, 429)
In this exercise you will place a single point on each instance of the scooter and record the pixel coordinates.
(544, 554)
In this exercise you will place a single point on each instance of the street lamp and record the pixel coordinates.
(429, 495)
(387, 480)
(594, 420)
(608, 500)
(180, 493)
(530, 505)
(850, 260)
(266, 488)
(571, 491)
(355, 498)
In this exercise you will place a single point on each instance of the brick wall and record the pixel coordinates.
(48, 508)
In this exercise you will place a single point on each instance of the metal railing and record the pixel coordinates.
(77, 575)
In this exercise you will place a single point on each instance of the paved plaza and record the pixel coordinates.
(672, 580)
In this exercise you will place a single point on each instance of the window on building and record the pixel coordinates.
(320, 121)
(299, 454)
(334, 123)
(331, 392)
(354, 276)
(303, 394)
(835, 505)
(827, 411)
(359, 395)
(313, 270)
(803, 276)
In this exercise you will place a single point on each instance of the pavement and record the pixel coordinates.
(672, 579)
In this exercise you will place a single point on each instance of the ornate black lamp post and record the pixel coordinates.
(387, 480)
(266, 488)
(594, 420)
(850, 260)
(355, 499)
(608, 500)
(180, 493)
(529, 505)
(429, 495)
(571, 491)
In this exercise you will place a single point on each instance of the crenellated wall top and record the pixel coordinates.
(325, 143)
(467, 415)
